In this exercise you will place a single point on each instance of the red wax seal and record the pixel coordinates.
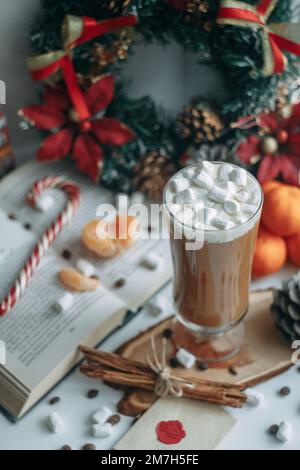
(170, 432)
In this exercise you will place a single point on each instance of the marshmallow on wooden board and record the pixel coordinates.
(284, 432)
(102, 415)
(64, 303)
(239, 176)
(102, 430)
(45, 203)
(185, 358)
(203, 180)
(254, 398)
(55, 423)
(86, 268)
(224, 172)
(219, 194)
(185, 197)
(179, 184)
(151, 261)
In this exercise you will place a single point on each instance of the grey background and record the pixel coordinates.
(167, 74)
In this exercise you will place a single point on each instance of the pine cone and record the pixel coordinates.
(211, 153)
(153, 172)
(199, 123)
(286, 308)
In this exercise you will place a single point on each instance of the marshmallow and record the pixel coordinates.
(186, 215)
(284, 432)
(45, 203)
(157, 306)
(185, 358)
(102, 430)
(208, 166)
(209, 214)
(64, 303)
(137, 198)
(179, 184)
(225, 172)
(249, 209)
(232, 207)
(242, 196)
(102, 415)
(86, 268)
(189, 173)
(185, 197)
(55, 423)
(240, 219)
(228, 186)
(151, 261)
(222, 224)
(203, 180)
(218, 194)
(175, 208)
(254, 398)
(239, 176)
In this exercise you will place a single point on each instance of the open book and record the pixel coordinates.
(41, 345)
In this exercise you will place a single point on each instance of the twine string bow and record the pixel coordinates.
(166, 383)
(277, 37)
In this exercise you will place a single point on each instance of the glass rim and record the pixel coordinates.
(192, 227)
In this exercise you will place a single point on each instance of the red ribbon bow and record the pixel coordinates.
(276, 37)
(75, 31)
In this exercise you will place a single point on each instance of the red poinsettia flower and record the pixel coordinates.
(277, 148)
(81, 140)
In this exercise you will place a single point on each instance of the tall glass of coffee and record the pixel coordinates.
(213, 211)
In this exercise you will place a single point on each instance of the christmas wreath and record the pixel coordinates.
(80, 48)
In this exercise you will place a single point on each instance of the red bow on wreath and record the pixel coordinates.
(67, 136)
(75, 31)
(276, 37)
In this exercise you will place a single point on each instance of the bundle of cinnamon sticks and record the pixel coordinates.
(118, 370)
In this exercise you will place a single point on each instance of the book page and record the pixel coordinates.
(140, 284)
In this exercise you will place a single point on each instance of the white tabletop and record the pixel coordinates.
(250, 431)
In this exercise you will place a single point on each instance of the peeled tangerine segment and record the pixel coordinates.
(107, 240)
(76, 281)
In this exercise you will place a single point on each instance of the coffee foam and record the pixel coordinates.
(225, 201)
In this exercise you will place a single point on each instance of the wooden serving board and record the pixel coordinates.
(264, 354)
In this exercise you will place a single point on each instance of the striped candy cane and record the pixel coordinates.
(73, 192)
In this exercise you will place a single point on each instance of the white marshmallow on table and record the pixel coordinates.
(284, 432)
(242, 196)
(209, 214)
(185, 358)
(102, 430)
(248, 208)
(218, 194)
(55, 423)
(151, 261)
(185, 197)
(157, 306)
(232, 207)
(86, 268)
(45, 202)
(179, 184)
(222, 224)
(254, 398)
(64, 303)
(102, 415)
(239, 176)
(225, 172)
(137, 198)
(203, 180)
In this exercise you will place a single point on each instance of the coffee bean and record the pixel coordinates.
(54, 400)
(89, 446)
(202, 365)
(66, 254)
(12, 216)
(66, 447)
(232, 371)
(119, 283)
(114, 419)
(173, 361)
(273, 429)
(284, 391)
(93, 393)
(27, 226)
(167, 333)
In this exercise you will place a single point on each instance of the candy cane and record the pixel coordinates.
(73, 192)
